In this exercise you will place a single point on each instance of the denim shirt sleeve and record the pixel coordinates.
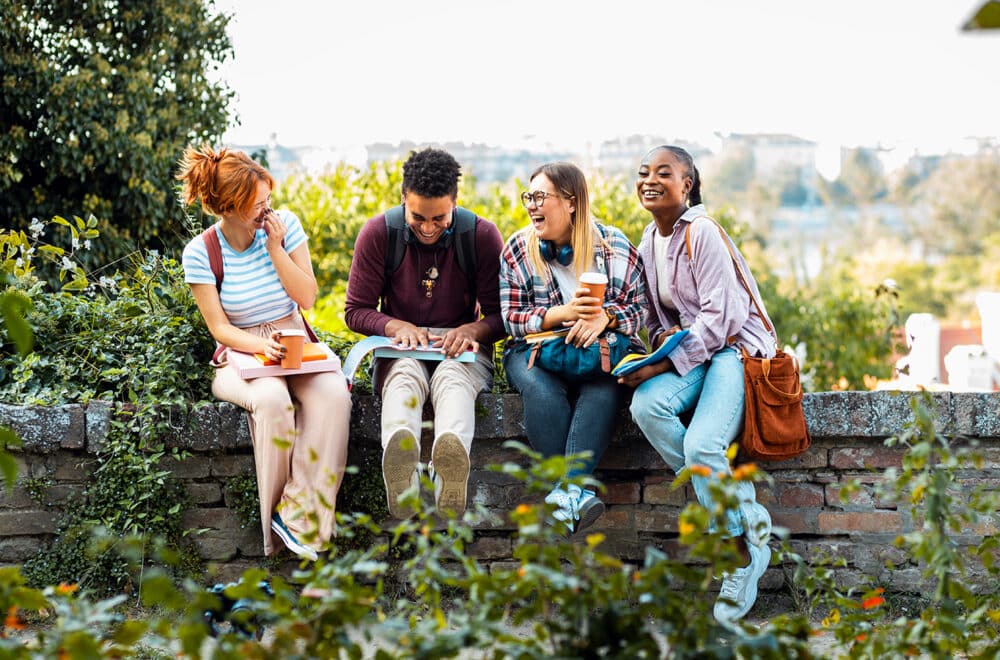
(723, 304)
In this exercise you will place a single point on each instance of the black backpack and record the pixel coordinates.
(463, 229)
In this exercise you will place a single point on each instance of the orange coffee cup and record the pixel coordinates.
(595, 283)
(293, 341)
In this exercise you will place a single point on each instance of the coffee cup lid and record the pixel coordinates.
(594, 278)
(292, 332)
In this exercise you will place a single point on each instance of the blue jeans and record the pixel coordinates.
(561, 417)
(714, 391)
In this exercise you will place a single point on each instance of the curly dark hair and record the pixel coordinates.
(431, 173)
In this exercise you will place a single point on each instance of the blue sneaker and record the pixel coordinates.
(292, 543)
(589, 507)
(739, 588)
(565, 506)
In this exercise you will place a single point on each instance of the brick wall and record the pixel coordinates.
(848, 430)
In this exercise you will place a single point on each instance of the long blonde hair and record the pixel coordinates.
(570, 182)
(223, 181)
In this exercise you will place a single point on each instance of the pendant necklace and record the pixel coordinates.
(430, 278)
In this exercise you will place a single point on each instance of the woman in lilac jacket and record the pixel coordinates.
(704, 374)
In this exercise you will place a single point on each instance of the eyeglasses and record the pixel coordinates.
(538, 197)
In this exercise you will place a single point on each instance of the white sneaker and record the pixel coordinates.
(399, 470)
(292, 543)
(589, 507)
(739, 588)
(756, 523)
(565, 506)
(451, 473)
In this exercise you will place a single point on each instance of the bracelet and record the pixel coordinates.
(612, 319)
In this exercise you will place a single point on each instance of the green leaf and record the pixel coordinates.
(59, 220)
(130, 632)
(13, 305)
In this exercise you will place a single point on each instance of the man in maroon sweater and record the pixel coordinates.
(427, 301)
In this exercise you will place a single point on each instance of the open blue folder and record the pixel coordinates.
(634, 361)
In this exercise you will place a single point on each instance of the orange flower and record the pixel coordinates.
(66, 589)
(521, 572)
(745, 471)
(522, 509)
(636, 576)
(862, 637)
(874, 601)
(685, 528)
(13, 620)
(700, 470)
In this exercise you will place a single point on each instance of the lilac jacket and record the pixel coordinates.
(710, 300)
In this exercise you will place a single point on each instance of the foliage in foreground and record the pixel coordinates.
(417, 591)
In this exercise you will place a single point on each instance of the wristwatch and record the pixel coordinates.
(612, 319)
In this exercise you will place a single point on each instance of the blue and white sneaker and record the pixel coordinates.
(739, 588)
(589, 507)
(565, 506)
(292, 543)
(756, 523)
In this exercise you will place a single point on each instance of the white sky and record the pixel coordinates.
(855, 72)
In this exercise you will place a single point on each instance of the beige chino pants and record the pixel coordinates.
(299, 426)
(453, 387)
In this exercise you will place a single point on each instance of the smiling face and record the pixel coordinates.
(428, 217)
(663, 182)
(253, 219)
(553, 220)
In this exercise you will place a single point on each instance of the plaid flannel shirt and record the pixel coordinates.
(525, 296)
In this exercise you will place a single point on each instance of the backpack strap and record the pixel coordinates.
(214, 249)
(464, 235)
(736, 265)
(464, 227)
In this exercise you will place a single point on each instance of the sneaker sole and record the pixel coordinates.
(451, 464)
(589, 513)
(399, 464)
(292, 543)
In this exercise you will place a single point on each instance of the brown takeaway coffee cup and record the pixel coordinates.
(596, 283)
(292, 340)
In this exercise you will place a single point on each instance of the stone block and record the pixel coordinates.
(489, 416)
(490, 547)
(656, 519)
(657, 491)
(192, 467)
(204, 493)
(852, 522)
(229, 465)
(98, 422)
(67, 467)
(801, 495)
(855, 458)
(862, 498)
(234, 429)
(18, 549)
(626, 492)
(45, 429)
(27, 522)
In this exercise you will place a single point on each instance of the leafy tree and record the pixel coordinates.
(97, 100)
(861, 174)
(964, 205)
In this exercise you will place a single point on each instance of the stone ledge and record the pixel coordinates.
(220, 427)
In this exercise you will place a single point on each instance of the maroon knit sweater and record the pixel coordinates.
(405, 299)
